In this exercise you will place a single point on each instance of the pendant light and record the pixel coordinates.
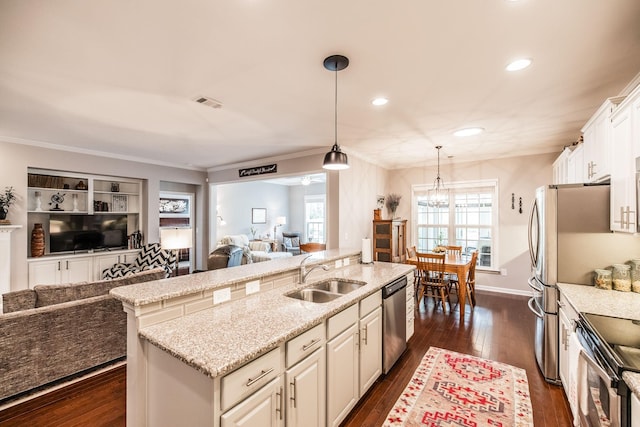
(336, 159)
(438, 196)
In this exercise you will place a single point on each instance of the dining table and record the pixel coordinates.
(458, 265)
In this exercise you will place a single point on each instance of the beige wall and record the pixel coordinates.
(518, 175)
(16, 158)
(351, 198)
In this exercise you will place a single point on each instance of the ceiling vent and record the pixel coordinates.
(209, 102)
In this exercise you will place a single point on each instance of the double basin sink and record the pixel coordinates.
(326, 290)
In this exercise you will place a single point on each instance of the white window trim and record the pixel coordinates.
(310, 199)
(419, 189)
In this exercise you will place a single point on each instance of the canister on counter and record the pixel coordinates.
(635, 275)
(621, 277)
(602, 279)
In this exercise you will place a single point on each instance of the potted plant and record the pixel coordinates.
(392, 202)
(6, 199)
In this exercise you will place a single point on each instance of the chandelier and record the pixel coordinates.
(438, 196)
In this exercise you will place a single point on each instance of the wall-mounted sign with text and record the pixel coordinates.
(259, 170)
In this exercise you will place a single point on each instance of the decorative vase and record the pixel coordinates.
(3, 214)
(38, 201)
(37, 240)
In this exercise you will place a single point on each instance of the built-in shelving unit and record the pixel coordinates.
(54, 195)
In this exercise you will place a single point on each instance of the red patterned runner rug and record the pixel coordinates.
(453, 389)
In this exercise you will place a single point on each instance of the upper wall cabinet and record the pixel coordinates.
(625, 140)
(597, 142)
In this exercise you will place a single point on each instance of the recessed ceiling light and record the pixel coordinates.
(468, 132)
(519, 64)
(379, 101)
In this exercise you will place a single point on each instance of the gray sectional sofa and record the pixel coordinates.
(53, 332)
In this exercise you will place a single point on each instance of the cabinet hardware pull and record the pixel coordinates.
(365, 335)
(311, 344)
(67, 264)
(58, 265)
(280, 400)
(357, 335)
(293, 392)
(263, 374)
(622, 217)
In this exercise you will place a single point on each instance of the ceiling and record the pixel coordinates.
(119, 76)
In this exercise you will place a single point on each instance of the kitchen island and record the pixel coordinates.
(178, 334)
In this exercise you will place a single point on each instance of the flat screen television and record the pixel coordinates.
(69, 233)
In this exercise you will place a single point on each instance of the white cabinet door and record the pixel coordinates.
(102, 262)
(370, 349)
(263, 408)
(563, 356)
(44, 272)
(575, 165)
(623, 203)
(410, 306)
(597, 141)
(306, 391)
(635, 411)
(342, 375)
(60, 270)
(77, 270)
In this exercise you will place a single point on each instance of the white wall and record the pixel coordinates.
(15, 159)
(359, 187)
(235, 202)
(518, 175)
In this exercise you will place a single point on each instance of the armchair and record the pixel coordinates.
(291, 242)
(151, 256)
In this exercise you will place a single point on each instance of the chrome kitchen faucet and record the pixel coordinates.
(303, 270)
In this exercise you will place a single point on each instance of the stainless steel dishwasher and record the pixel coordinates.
(394, 305)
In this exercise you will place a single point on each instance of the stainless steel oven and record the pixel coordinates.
(598, 399)
(609, 346)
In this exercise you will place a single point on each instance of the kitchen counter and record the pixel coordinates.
(589, 299)
(219, 339)
(161, 290)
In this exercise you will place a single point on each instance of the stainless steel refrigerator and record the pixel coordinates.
(569, 237)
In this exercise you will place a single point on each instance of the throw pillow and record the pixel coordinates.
(295, 242)
(287, 242)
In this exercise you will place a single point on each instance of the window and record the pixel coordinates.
(469, 219)
(314, 212)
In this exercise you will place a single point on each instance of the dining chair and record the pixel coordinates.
(453, 251)
(411, 254)
(433, 282)
(312, 247)
(471, 279)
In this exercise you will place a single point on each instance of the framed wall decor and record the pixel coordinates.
(175, 205)
(258, 216)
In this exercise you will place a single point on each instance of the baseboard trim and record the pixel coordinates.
(525, 293)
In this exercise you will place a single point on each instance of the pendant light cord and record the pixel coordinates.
(335, 109)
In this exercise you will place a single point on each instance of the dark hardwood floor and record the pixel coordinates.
(500, 328)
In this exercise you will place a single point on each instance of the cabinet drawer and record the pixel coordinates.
(568, 309)
(304, 344)
(341, 321)
(370, 303)
(245, 380)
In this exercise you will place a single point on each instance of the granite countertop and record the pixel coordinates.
(150, 292)
(626, 305)
(217, 340)
(589, 299)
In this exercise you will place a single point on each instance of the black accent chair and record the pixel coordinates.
(291, 242)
